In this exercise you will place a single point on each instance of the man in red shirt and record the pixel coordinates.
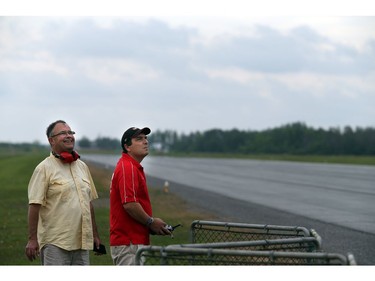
(131, 220)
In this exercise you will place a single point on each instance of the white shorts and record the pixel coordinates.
(124, 255)
(53, 255)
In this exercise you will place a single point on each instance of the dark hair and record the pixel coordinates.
(52, 126)
(128, 143)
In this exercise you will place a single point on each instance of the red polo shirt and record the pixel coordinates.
(128, 185)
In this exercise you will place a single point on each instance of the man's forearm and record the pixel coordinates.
(33, 218)
(136, 211)
(93, 221)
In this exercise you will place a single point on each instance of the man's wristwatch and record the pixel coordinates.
(150, 220)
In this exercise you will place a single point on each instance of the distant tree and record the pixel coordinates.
(84, 142)
(294, 138)
(107, 143)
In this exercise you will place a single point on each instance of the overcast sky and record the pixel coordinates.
(184, 73)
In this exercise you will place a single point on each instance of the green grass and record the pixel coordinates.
(330, 159)
(15, 173)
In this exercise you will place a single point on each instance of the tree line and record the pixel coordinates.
(295, 138)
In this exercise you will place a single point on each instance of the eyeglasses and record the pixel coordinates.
(65, 133)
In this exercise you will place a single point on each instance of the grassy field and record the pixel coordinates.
(329, 159)
(15, 172)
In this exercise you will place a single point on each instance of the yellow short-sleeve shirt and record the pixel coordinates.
(64, 192)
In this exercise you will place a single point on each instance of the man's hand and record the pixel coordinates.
(32, 250)
(159, 227)
(97, 243)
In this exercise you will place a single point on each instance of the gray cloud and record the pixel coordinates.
(301, 50)
(150, 73)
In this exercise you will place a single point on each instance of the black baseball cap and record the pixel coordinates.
(132, 133)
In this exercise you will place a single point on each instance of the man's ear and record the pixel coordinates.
(126, 147)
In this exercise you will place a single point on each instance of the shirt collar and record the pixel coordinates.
(128, 157)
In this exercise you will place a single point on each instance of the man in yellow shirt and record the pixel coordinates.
(61, 217)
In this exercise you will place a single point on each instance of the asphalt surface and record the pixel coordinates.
(337, 237)
(340, 194)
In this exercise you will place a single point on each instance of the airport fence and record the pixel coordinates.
(228, 243)
(215, 231)
(176, 255)
(296, 244)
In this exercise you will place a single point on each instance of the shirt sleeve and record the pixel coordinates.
(38, 186)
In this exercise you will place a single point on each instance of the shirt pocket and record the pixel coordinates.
(60, 190)
(86, 188)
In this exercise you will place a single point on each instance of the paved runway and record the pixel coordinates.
(339, 194)
(338, 200)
